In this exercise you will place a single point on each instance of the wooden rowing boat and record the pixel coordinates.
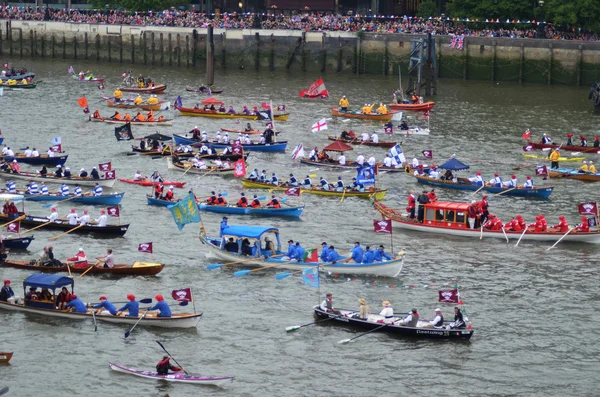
(148, 182)
(174, 377)
(74, 180)
(104, 199)
(5, 357)
(165, 122)
(357, 141)
(251, 132)
(215, 156)
(159, 89)
(571, 173)
(415, 107)
(121, 105)
(335, 111)
(293, 212)
(18, 76)
(189, 168)
(560, 159)
(136, 269)
(217, 115)
(255, 147)
(582, 149)
(350, 165)
(39, 160)
(62, 224)
(371, 192)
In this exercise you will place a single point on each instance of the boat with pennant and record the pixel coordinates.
(583, 149)
(335, 111)
(129, 105)
(17, 243)
(351, 165)
(42, 159)
(164, 122)
(148, 182)
(224, 115)
(90, 199)
(256, 147)
(174, 377)
(136, 269)
(73, 180)
(359, 142)
(62, 224)
(368, 193)
(190, 169)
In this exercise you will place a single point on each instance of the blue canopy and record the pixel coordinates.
(248, 231)
(454, 165)
(50, 281)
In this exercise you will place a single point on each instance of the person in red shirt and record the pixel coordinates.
(411, 204)
(544, 223)
(562, 226)
(584, 226)
(521, 222)
(212, 200)
(255, 202)
(79, 260)
(169, 195)
(483, 207)
(164, 365)
(243, 201)
(432, 196)
(493, 223)
(473, 215)
(274, 203)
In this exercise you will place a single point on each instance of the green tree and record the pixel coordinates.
(428, 8)
(139, 5)
(580, 13)
(486, 9)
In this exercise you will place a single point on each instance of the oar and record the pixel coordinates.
(134, 325)
(67, 232)
(241, 273)
(505, 236)
(14, 220)
(213, 266)
(37, 227)
(477, 191)
(343, 196)
(502, 192)
(522, 234)
(93, 316)
(481, 235)
(145, 301)
(345, 341)
(281, 276)
(189, 168)
(69, 269)
(88, 269)
(4, 390)
(182, 303)
(560, 239)
(161, 345)
(295, 327)
(61, 201)
(222, 194)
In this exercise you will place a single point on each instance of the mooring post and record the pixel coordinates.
(494, 44)
(195, 45)
(257, 51)
(32, 35)
(550, 59)
(340, 55)
(21, 42)
(187, 50)
(521, 63)
(97, 47)
(579, 64)
(109, 45)
(324, 50)
(53, 46)
(178, 49)
(75, 47)
(153, 47)
(121, 48)
(304, 51)
(386, 59)
(144, 47)
(64, 46)
(162, 49)
(272, 54)
(466, 64)
(210, 57)
(86, 45)
(170, 49)
(223, 52)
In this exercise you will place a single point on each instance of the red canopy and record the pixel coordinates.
(212, 101)
(337, 146)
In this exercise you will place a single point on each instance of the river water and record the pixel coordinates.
(534, 311)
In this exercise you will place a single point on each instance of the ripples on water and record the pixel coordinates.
(534, 311)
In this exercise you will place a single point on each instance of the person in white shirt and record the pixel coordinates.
(84, 219)
(226, 164)
(50, 153)
(372, 161)
(411, 320)
(226, 138)
(438, 320)
(387, 162)
(415, 162)
(327, 305)
(102, 219)
(360, 160)
(218, 137)
(262, 140)
(180, 148)
(4, 150)
(200, 164)
(364, 137)
(512, 183)
(342, 159)
(247, 140)
(138, 176)
(528, 183)
(433, 173)
(28, 152)
(218, 163)
(375, 138)
(35, 153)
(477, 179)
(10, 152)
(108, 259)
(387, 312)
(53, 215)
(72, 217)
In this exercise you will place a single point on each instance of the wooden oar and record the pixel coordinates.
(14, 220)
(522, 234)
(93, 316)
(42, 225)
(69, 269)
(180, 366)
(212, 266)
(295, 327)
(508, 190)
(241, 273)
(560, 239)
(477, 191)
(189, 168)
(88, 269)
(343, 196)
(134, 325)
(57, 202)
(67, 232)
(345, 341)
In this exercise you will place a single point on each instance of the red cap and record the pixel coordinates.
(159, 297)
(528, 177)
(85, 211)
(6, 281)
(581, 137)
(478, 173)
(103, 298)
(102, 212)
(583, 218)
(513, 177)
(491, 216)
(561, 217)
(519, 217)
(53, 209)
(569, 135)
(484, 197)
(596, 137)
(130, 297)
(72, 209)
(495, 174)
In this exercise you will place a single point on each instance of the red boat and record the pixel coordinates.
(148, 182)
(582, 149)
(415, 107)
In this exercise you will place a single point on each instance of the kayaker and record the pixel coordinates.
(243, 201)
(164, 365)
(105, 305)
(132, 307)
(224, 226)
(163, 308)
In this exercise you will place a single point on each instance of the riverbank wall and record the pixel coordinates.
(482, 58)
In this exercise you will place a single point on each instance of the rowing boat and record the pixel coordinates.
(121, 105)
(415, 107)
(28, 86)
(17, 243)
(543, 192)
(165, 122)
(74, 180)
(159, 89)
(61, 224)
(104, 199)
(218, 115)
(351, 165)
(335, 111)
(560, 159)
(294, 212)
(148, 182)
(18, 76)
(357, 141)
(189, 168)
(583, 149)
(251, 132)
(54, 282)
(214, 156)
(136, 269)
(204, 91)
(174, 377)
(571, 173)
(255, 147)
(371, 192)
(5, 357)
(423, 329)
(39, 160)
(450, 218)
(239, 233)
(88, 78)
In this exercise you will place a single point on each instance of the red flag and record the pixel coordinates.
(541, 170)
(314, 90)
(526, 135)
(14, 227)
(56, 148)
(527, 148)
(239, 168)
(311, 255)
(113, 211)
(590, 208)
(145, 247)
(182, 295)
(426, 115)
(428, 154)
(83, 102)
(110, 174)
(265, 105)
(449, 296)
(103, 167)
(236, 147)
(382, 226)
(293, 191)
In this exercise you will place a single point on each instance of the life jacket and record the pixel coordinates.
(117, 116)
(473, 210)
(274, 203)
(242, 202)
(212, 200)
(140, 117)
(97, 114)
(221, 201)
(514, 224)
(127, 117)
(255, 203)
(169, 195)
(150, 118)
(162, 368)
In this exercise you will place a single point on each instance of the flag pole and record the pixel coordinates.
(318, 284)
(272, 120)
(597, 216)
(392, 239)
(193, 301)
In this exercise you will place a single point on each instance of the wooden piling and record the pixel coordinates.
(550, 59)
(579, 63)
(31, 43)
(466, 64)
(257, 51)
(64, 46)
(153, 47)
(75, 47)
(21, 42)
(53, 46)
(187, 50)
(178, 47)
(324, 52)
(121, 48)
(272, 54)
(161, 49)
(42, 46)
(386, 56)
(303, 51)
(132, 39)
(97, 47)
(210, 56)
(144, 47)
(521, 63)
(340, 55)
(170, 49)
(223, 52)
(86, 45)
(494, 44)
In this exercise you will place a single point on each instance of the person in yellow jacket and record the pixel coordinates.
(592, 168)
(367, 109)
(118, 94)
(24, 82)
(344, 103)
(584, 167)
(138, 100)
(382, 109)
(11, 82)
(153, 100)
(554, 156)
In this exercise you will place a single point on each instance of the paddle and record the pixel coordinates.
(508, 190)
(477, 191)
(505, 236)
(188, 168)
(241, 273)
(296, 327)
(481, 235)
(67, 232)
(213, 266)
(134, 325)
(346, 341)
(281, 276)
(161, 345)
(522, 234)
(94, 317)
(14, 220)
(4, 390)
(560, 239)
(61, 201)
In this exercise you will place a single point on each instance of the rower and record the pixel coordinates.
(360, 160)
(83, 173)
(528, 183)
(584, 226)
(274, 203)
(255, 202)
(254, 175)
(11, 186)
(344, 103)
(153, 100)
(58, 173)
(496, 181)
(381, 255)
(222, 108)
(569, 139)
(273, 181)
(158, 191)
(387, 312)
(339, 187)
(546, 139)
(313, 155)
(243, 201)
(218, 137)
(79, 260)
(72, 217)
(102, 219)
(212, 200)
(357, 253)
(268, 134)
(84, 219)
(342, 159)
(299, 252)
(292, 181)
(411, 320)
(27, 152)
(116, 116)
(513, 183)
(596, 142)
(67, 173)
(163, 308)
(323, 183)
(53, 215)
(247, 140)
(263, 177)
(584, 167)
(291, 252)
(16, 168)
(562, 226)
(203, 137)
(332, 256)
(97, 190)
(94, 174)
(139, 117)
(32, 188)
(44, 189)
(364, 137)
(118, 94)
(226, 138)
(76, 305)
(77, 191)
(403, 126)
(138, 176)
(583, 141)
(246, 111)
(307, 182)
(138, 100)
(382, 109)
(387, 161)
(132, 307)
(493, 223)
(105, 306)
(169, 195)
(221, 200)
(128, 119)
(592, 168)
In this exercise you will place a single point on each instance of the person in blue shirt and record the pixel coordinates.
(76, 305)
(254, 175)
(291, 250)
(333, 256)
(380, 255)
(163, 308)
(357, 253)
(323, 183)
(368, 256)
(324, 253)
(132, 307)
(307, 183)
(224, 225)
(299, 254)
(105, 304)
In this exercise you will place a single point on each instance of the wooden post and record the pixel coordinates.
(170, 49)
(521, 63)
(10, 41)
(438, 52)
(144, 47)
(97, 47)
(42, 45)
(210, 56)
(178, 47)
(187, 50)
(132, 38)
(550, 59)
(195, 44)
(257, 51)
(340, 55)
(324, 50)
(86, 45)
(579, 64)
(21, 42)
(53, 46)
(304, 51)
(494, 44)
(466, 64)
(121, 48)
(32, 34)
(64, 46)
(75, 47)
(109, 45)
(153, 47)
(223, 52)
(162, 49)
(386, 60)
(1, 53)
(357, 55)
(272, 54)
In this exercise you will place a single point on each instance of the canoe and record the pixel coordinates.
(256, 147)
(104, 199)
(448, 218)
(216, 115)
(357, 141)
(570, 173)
(204, 91)
(74, 180)
(248, 184)
(234, 210)
(137, 269)
(359, 115)
(415, 107)
(20, 86)
(148, 182)
(159, 89)
(5, 357)
(560, 159)
(121, 105)
(165, 122)
(543, 192)
(582, 149)
(185, 166)
(42, 159)
(174, 377)
(420, 331)
(251, 132)
(389, 268)
(17, 243)
(18, 76)
(89, 78)
(62, 224)
(350, 165)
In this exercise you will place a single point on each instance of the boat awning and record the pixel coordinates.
(50, 281)
(248, 231)
(212, 101)
(448, 206)
(337, 146)
(454, 165)
(158, 136)
(11, 197)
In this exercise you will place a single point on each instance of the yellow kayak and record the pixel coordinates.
(560, 159)
(248, 184)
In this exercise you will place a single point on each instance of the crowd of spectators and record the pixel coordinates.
(307, 21)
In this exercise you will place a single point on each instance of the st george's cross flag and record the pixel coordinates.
(319, 126)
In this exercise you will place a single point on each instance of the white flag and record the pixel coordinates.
(298, 152)
(56, 141)
(319, 126)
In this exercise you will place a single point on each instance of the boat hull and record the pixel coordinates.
(573, 174)
(120, 105)
(331, 193)
(32, 176)
(536, 192)
(251, 132)
(18, 243)
(414, 107)
(216, 115)
(5, 357)
(256, 147)
(582, 149)
(105, 199)
(174, 377)
(351, 115)
(188, 167)
(137, 269)
(159, 89)
(166, 122)
(204, 91)
(109, 230)
(357, 141)
(348, 166)
(18, 76)
(41, 160)
(147, 182)
(287, 212)
(560, 159)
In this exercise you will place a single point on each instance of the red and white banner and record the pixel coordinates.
(388, 130)
(182, 295)
(236, 147)
(145, 247)
(110, 174)
(293, 191)
(14, 227)
(527, 148)
(428, 154)
(319, 126)
(526, 135)
(449, 296)
(281, 108)
(113, 211)
(56, 148)
(239, 168)
(382, 226)
(316, 89)
(541, 170)
(103, 167)
(590, 208)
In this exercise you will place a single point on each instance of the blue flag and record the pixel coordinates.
(185, 211)
(311, 277)
(178, 102)
(366, 175)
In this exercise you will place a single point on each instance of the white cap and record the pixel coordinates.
(195, 126)
(80, 249)
(437, 309)
(67, 168)
(83, 169)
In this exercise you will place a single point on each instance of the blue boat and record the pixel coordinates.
(287, 212)
(18, 77)
(159, 202)
(255, 147)
(105, 199)
(43, 159)
(17, 243)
